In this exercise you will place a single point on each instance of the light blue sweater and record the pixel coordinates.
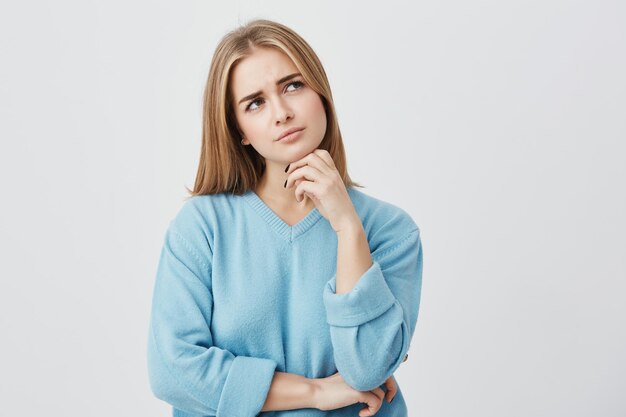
(240, 294)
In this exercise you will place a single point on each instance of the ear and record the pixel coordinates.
(241, 135)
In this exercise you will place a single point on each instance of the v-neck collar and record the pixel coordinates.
(283, 229)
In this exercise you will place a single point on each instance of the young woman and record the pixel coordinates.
(280, 286)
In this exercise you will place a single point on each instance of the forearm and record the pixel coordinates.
(289, 392)
(353, 256)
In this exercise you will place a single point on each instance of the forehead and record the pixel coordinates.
(260, 70)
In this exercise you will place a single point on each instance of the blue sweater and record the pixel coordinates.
(239, 294)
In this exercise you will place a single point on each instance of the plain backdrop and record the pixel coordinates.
(498, 125)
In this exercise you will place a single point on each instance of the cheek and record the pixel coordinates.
(315, 108)
(321, 113)
(250, 127)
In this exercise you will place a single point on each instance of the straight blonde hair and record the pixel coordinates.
(225, 164)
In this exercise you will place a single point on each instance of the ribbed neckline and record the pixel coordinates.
(283, 229)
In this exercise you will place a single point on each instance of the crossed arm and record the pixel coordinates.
(291, 391)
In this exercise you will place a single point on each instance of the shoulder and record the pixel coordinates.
(386, 224)
(376, 213)
(197, 219)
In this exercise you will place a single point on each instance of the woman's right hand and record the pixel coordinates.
(333, 392)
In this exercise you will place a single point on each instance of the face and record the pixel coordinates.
(269, 100)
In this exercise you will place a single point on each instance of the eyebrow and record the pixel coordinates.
(279, 82)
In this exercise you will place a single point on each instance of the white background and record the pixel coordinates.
(498, 125)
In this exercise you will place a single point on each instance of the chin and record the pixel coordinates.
(305, 150)
(297, 151)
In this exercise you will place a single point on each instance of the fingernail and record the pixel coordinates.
(286, 169)
(285, 186)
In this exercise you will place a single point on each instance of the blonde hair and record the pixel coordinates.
(225, 164)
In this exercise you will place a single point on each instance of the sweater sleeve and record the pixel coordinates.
(371, 326)
(185, 369)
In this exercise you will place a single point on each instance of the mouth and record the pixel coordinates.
(289, 132)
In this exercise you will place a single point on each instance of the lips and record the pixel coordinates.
(287, 132)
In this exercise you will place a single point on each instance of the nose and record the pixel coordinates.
(282, 112)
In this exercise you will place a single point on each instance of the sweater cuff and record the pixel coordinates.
(246, 387)
(368, 299)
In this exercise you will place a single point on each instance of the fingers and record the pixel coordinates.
(392, 388)
(325, 156)
(307, 172)
(379, 393)
(311, 159)
(374, 400)
(309, 188)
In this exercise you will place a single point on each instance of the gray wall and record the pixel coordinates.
(499, 126)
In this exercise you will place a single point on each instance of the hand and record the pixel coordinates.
(343, 394)
(315, 176)
(392, 388)
(333, 392)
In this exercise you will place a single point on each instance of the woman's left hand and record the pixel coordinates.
(316, 177)
(392, 388)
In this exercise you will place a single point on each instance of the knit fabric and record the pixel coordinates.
(240, 294)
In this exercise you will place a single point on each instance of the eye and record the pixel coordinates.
(299, 85)
(251, 103)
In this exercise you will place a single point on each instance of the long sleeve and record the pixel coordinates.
(371, 326)
(185, 369)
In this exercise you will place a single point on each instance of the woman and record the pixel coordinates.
(280, 286)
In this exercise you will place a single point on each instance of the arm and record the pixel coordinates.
(353, 257)
(289, 392)
(185, 368)
(373, 320)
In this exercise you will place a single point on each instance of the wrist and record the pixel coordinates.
(290, 392)
(351, 226)
(314, 392)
